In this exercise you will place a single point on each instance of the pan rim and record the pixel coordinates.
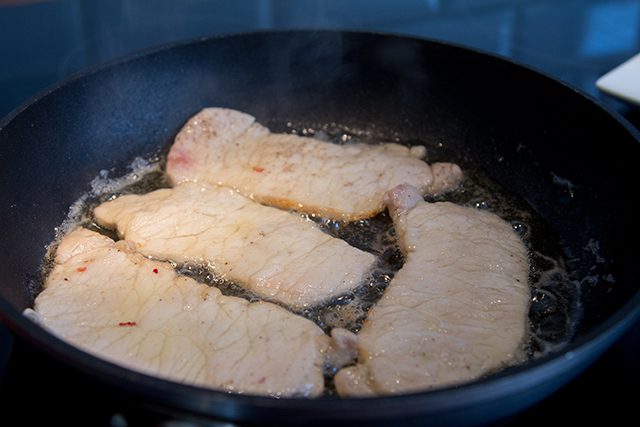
(139, 54)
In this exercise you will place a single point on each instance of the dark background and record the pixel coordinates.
(43, 42)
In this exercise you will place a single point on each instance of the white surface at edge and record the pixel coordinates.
(623, 81)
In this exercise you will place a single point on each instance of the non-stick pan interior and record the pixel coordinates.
(571, 161)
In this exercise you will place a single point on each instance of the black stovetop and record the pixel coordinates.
(573, 40)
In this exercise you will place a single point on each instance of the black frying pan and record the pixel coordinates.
(527, 132)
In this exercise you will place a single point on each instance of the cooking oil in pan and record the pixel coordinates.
(555, 304)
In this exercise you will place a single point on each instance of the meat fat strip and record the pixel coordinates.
(455, 311)
(343, 182)
(138, 313)
(276, 254)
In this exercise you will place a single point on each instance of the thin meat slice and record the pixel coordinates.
(119, 305)
(344, 182)
(276, 254)
(457, 309)
(343, 348)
